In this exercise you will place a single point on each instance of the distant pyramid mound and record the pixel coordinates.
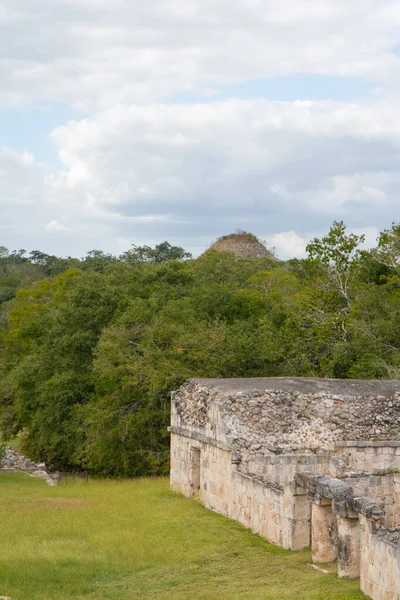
(243, 244)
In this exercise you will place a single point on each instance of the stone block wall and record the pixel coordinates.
(274, 513)
(281, 469)
(396, 499)
(380, 564)
(351, 527)
(263, 451)
(271, 511)
(214, 471)
(369, 455)
(380, 486)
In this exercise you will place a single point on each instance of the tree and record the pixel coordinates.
(338, 252)
(97, 260)
(160, 253)
(88, 358)
(53, 329)
(387, 252)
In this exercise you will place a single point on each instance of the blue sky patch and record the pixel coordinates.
(288, 88)
(27, 128)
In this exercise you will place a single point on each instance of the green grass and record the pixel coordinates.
(98, 540)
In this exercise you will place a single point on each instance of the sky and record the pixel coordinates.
(131, 122)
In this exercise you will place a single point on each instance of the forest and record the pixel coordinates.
(91, 348)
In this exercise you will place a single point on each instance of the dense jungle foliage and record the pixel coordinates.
(90, 349)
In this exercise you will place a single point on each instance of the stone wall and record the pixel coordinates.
(396, 499)
(13, 462)
(379, 485)
(267, 452)
(295, 414)
(215, 472)
(271, 511)
(351, 528)
(380, 563)
(281, 469)
(369, 455)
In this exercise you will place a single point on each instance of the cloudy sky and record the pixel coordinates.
(127, 121)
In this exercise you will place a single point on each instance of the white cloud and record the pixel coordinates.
(147, 160)
(56, 226)
(21, 179)
(288, 244)
(190, 173)
(22, 198)
(100, 53)
(141, 171)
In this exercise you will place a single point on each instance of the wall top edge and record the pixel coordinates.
(350, 387)
(260, 481)
(368, 444)
(200, 437)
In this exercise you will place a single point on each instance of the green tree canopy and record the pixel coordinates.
(91, 348)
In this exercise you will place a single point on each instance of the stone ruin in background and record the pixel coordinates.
(16, 463)
(299, 461)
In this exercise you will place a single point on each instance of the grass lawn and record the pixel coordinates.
(98, 540)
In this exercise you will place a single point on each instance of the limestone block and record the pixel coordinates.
(300, 534)
(348, 531)
(323, 534)
(301, 508)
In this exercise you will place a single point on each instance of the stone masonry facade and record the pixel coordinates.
(299, 461)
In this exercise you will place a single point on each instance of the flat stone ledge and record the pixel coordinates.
(200, 437)
(260, 480)
(361, 474)
(349, 387)
(380, 444)
(325, 487)
(342, 496)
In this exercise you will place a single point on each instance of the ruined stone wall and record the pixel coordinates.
(380, 563)
(396, 499)
(369, 455)
(314, 420)
(264, 451)
(271, 511)
(351, 527)
(380, 486)
(215, 472)
(13, 462)
(281, 469)
(263, 416)
(274, 513)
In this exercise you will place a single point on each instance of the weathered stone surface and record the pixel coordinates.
(348, 547)
(16, 462)
(369, 508)
(330, 488)
(273, 450)
(379, 565)
(323, 534)
(271, 415)
(243, 245)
